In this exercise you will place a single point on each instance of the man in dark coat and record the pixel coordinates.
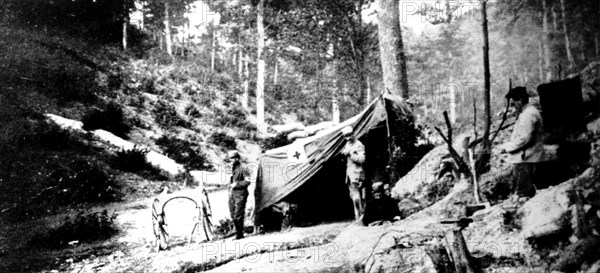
(381, 207)
(238, 194)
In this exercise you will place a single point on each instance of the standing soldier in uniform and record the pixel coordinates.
(238, 194)
(354, 151)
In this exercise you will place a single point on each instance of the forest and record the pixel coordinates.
(106, 105)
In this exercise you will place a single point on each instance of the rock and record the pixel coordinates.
(544, 213)
(595, 268)
(408, 207)
(584, 250)
(412, 259)
(422, 173)
(66, 123)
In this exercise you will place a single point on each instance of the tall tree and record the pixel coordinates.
(167, 31)
(393, 59)
(213, 47)
(125, 18)
(486, 92)
(547, 38)
(246, 82)
(566, 34)
(260, 67)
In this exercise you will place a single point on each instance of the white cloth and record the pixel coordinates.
(526, 141)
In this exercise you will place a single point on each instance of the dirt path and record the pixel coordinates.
(133, 249)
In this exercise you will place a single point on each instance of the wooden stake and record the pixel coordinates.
(459, 251)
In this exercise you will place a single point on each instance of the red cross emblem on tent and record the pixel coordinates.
(297, 154)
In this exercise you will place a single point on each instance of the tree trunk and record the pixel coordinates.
(555, 18)
(368, 100)
(393, 60)
(240, 63)
(143, 12)
(541, 60)
(124, 40)
(260, 69)
(161, 38)
(597, 40)
(213, 49)
(452, 102)
(566, 34)
(547, 41)
(276, 72)
(335, 108)
(363, 85)
(124, 27)
(246, 84)
(486, 75)
(168, 44)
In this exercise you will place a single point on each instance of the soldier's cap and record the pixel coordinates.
(377, 187)
(346, 130)
(517, 93)
(233, 154)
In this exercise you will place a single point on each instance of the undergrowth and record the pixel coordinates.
(134, 161)
(186, 153)
(224, 140)
(83, 228)
(111, 119)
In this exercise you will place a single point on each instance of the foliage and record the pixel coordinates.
(100, 19)
(111, 119)
(83, 228)
(134, 161)
(223, 140)
(55, 181)
(274, 142)
(404, 141)
(233, 117)
(83, 181)
(224, 227)
(166, 115)
(186, 153)
(49, 136)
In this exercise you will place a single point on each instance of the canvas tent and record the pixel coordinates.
(310, 172)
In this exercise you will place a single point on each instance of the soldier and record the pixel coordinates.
(354, 151)
(381, 207)
(238, 193)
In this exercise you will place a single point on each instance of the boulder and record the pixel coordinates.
(544, 213)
